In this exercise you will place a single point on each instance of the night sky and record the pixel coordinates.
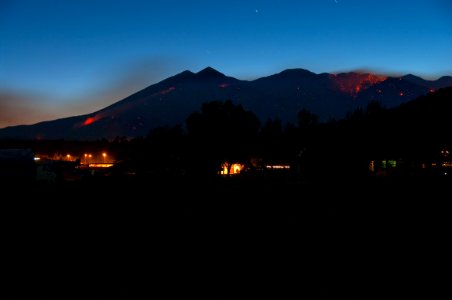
(62, 58)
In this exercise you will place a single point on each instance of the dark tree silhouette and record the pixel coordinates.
(307, 119)
(356, 114)
(222, 131)
(374, 107)
(273, 141)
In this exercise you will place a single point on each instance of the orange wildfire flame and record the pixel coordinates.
(116, 111)
(355, 83)
(90, 120)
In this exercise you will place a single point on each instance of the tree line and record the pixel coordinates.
(223, 131)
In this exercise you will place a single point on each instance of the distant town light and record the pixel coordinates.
(277, 166)
(97, 165)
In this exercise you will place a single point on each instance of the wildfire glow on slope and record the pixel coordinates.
(167, 91)
(90, 120)
(112, 113)
(353, 83)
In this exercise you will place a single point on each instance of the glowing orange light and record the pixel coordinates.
(104, 154)
(91, 120)
(231, 169)
(236, 168)
(223, 85)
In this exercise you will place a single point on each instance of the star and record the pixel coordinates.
(257, 11)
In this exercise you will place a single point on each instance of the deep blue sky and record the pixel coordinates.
(60, 58)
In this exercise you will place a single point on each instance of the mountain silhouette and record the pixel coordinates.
(210, 74)
(444, 81)
(279, 96)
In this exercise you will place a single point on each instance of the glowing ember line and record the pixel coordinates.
(224, 85)
(89, 121)
(167, 91)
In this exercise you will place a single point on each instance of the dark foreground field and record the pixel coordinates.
(226, 239)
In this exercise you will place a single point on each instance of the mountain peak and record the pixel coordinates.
(282, 94)
(185, 74)
(210, 73)
(296, 72)
(411, 77)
